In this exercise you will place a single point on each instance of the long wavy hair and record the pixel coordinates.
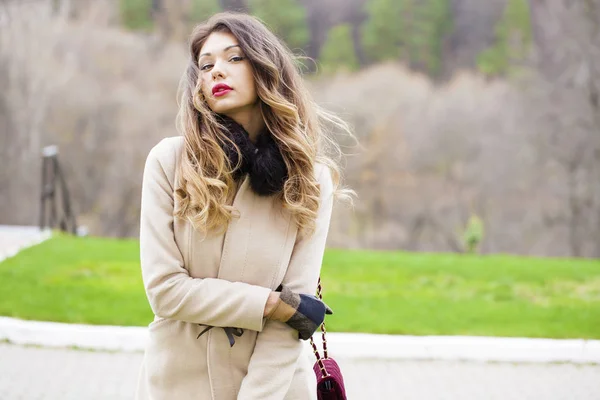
(297, 123)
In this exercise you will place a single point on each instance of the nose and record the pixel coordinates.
(218, 70)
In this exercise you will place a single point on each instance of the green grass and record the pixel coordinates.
(70, 279)
(98, 281)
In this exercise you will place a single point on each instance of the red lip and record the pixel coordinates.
(220, 87)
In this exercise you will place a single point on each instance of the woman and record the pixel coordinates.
(234, 219)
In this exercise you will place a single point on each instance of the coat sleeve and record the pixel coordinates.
(171, 292)
(278, 347)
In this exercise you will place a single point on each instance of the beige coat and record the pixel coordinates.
(223, 280)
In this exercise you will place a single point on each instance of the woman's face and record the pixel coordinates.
(226, 75)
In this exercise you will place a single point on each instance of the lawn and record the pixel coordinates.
(97, 281)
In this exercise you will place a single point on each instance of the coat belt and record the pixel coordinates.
(230, 332)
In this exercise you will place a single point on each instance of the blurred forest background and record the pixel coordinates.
(479, 120)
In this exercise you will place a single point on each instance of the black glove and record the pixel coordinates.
(304, 313)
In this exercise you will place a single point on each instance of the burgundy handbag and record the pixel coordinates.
(330, 383)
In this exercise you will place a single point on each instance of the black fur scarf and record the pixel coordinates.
(262, 161)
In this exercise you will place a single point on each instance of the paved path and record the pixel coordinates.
(15, 237)
(33, 373)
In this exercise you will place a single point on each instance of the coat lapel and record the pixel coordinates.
(257, 245)
(237, 235)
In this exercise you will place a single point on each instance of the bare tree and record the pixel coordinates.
(568, 54)
(30, 46)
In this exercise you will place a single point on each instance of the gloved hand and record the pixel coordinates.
(304, 313)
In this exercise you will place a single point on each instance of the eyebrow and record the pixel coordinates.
(225, 49)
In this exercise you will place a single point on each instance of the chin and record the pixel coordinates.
(227, 107)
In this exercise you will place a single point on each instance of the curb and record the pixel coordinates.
(343, 345)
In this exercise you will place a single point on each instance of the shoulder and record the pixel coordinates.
(167, 149)
(322, 173)
(165, 155)
(324, 177)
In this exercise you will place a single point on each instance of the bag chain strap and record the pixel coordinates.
(323, 332)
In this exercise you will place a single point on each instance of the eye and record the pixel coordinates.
(205, 67)
(236, 58)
